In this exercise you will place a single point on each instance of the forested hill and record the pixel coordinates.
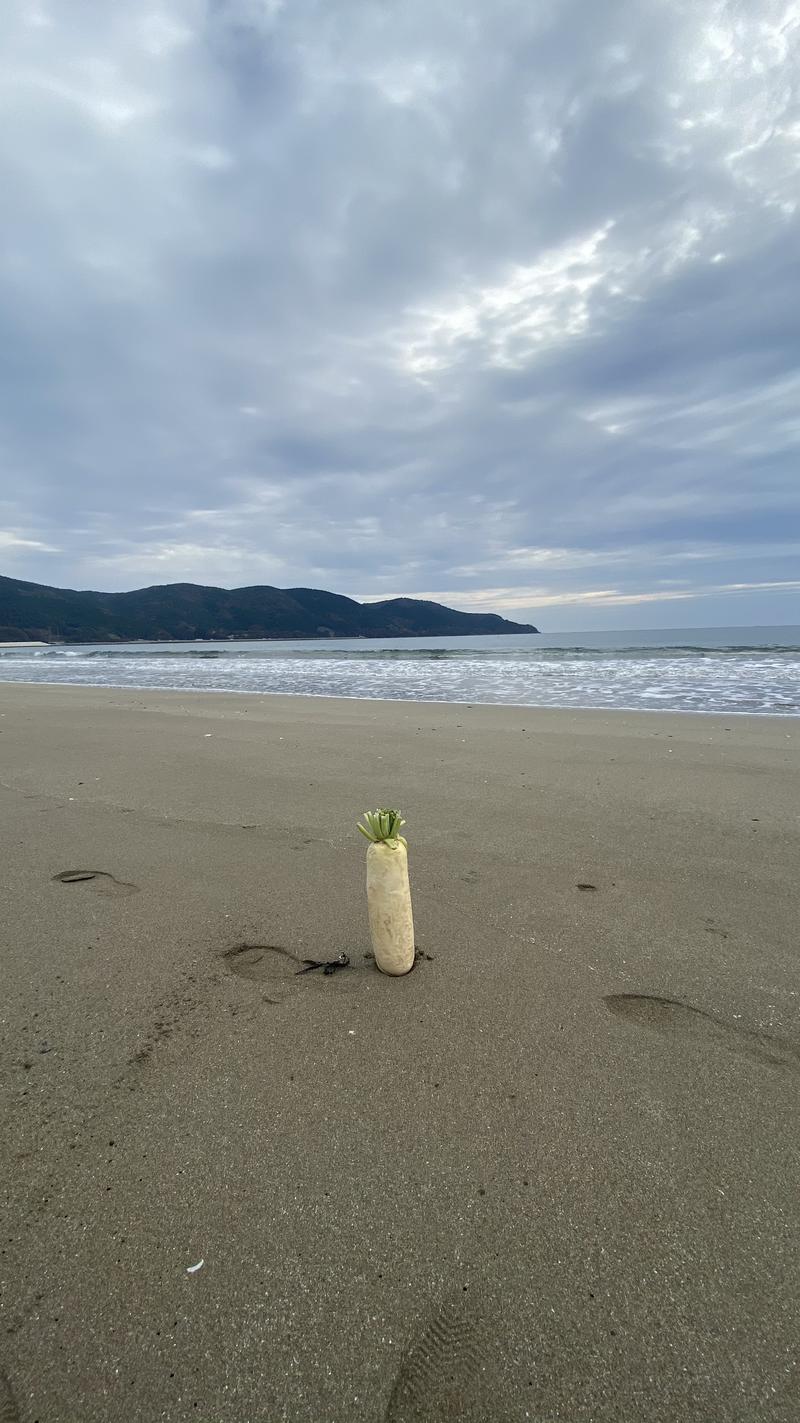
(176, 611)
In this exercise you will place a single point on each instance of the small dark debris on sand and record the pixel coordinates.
(418, 954)
(328, 966)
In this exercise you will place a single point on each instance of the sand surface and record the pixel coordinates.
(551, 1175)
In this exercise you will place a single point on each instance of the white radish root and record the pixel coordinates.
(388, 892)
(389, 903)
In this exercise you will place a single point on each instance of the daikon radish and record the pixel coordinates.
(388, 892)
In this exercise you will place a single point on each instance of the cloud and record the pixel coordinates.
(177, 562)
(519, 599)
(11, 543)
(370, 297)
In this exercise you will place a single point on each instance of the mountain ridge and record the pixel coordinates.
(185, 612)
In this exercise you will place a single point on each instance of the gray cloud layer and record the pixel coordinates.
(495, 302)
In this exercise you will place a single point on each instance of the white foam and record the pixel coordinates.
(729, 681)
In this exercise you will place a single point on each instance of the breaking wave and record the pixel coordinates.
(723, 675)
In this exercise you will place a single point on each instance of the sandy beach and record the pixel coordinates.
(551, 1175)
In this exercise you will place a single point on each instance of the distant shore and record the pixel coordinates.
(263, 637)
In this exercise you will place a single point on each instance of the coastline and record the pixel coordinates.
(596, 1199)
(719, 671)
(531, 709)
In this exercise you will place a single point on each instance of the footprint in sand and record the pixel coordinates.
(100, 880)
(711, 927)
(680, 1020)
(9, 1413)
(279, 969)
(274, 967)
(440, 1376)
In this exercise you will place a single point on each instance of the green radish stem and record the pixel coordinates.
(382, 825)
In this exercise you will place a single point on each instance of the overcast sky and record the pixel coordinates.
(495, 301)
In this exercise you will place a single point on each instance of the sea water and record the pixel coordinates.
(749, 669)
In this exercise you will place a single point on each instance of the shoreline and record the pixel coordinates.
(530, 707)
(557, 1162)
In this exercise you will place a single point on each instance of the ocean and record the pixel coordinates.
(728, 670)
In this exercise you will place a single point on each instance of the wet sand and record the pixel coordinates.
(552, 1174)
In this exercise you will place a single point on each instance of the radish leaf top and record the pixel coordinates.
(382, 825)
